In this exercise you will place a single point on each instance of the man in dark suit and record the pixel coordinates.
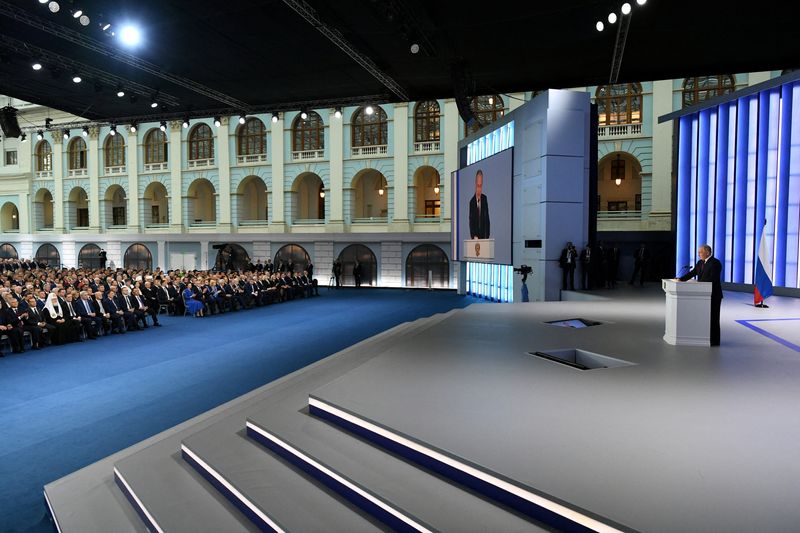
(36, 326)
(12, 323)
(479, 211)
(641, 259)
(92, 324)
(567, 261)
(709, 268)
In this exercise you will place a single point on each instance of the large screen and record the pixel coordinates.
(482, 206)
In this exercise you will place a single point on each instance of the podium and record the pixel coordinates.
(688, 315)
(478, 249)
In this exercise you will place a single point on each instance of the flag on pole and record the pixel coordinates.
(763, 286)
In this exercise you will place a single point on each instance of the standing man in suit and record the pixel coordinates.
(641, 259)
(479, 211)
(709, 268)
(569, 257)
(102, 256)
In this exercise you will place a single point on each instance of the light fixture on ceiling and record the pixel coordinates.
(113, 130)
(185, 123)
(76, 79)
(66, 133)
(105, 26)
(242, 119)
(53, 7)
(77, 14)
(153, 104)
(84, 20)
(303, 115)
(436, 189)
(43, 1)
(641, 2)
(217, 122)
(321, 193)
(130, 35)
(337, 112)
(36, 66)
(599, 25)
(415, 48)
(39, 135)
(134, 128)
(612, 18)
(626, 8)
(275, 118)
(23, 138)
(163, 125)
(85, 132)
(369, 110)
(120, 93)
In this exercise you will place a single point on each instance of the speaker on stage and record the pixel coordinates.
(9, 123)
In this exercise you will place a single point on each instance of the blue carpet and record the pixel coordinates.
(65, 407)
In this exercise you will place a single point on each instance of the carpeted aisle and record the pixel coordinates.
(63, 408)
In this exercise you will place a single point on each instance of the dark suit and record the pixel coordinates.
(92, 325)
(479, 220)
(10, 318)
(39, 334)
(710, 271)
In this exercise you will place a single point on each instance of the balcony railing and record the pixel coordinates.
(111, 171)
(619, 130)
(307, 221)
(305, 155)
(156, 167)
(44, 174)
(366, 151)
(251, 158)
(200, 163)
(427, 146)
(253, 222)
(203, 224)
(618, 215)
(371, 220)
(78, 173)
(157, 226)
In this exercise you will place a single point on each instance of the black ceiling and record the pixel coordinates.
(263, 55)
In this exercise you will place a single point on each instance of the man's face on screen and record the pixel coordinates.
(478, 186)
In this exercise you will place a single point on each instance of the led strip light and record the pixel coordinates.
(552, 506)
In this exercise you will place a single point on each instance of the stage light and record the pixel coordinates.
(43, 1)
(85, 132)
(120, 93)
(154, 104)
(106, 26)
(369, 110)
(163, 125)
(599, 25)
(76, 79)
(303, 115)
(186, 123)
(337, 112)
(53, 7)
(66, 133)
(84, 20)
(77, 14)
(133, 128)
(130, 35)
(23, 138)
(626, 8)
(612, 18)
(242, 119)
(39, 135)
(113, 129)
(47, 123)
(414, 48)
(217, 122)
(274, 118)
(641, 2)
(491, 100)
(381, 191)
(37, 66)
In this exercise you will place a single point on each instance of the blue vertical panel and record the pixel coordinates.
(711, 180)
(731, 174)
(771, 185)
(750, 235)
(793, 210)
(740, 193)
(782, 200)
(721, 193)
(762, 159)
(693, 189)
(682, 255)
(701, 231)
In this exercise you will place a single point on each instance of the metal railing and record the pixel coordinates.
(307, 221)
(606, 215)
(427, 146)
(619, 130)
(254, 222)
(305, 155)
(365, 151)
(44, 174)
(371, 220)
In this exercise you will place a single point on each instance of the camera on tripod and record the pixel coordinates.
(524, 270)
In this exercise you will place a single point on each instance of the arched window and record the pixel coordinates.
(9, 217)
(202, 202)
(700, 88)
(43, 209)
(369, 265)
(426, 121)
(201, 143)
(114, 151)
(138, 257)
(115, 206)
(619, 183)
(308, 200)
(369, 130)
(89, 257)
(7, 251)
(77, 154)
(427, 189)
(292, 254)
(232, 257)
(48, 254)
(369, 195)
(251, 200)
(308, 134)
(486, 109)
(156, 204)
(252, 138)
(427, 258)
(76, 208)
(155, 147)
(619, 104)
(44, 157)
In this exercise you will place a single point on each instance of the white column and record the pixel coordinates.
(58, 179)
(203, 255)
(758, 77)
(278, 215)
(224, 166)
(450, 138)
(132, 166)
(23, 212)
(175, 164)
(336, 157)
(400, 123)
(162, 255)
(662, 150)
(93, 161)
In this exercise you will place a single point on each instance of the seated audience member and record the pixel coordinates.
(193, 305)
(36, 326)
(71, 311)
(12, 324)
(92, 322)
(112, 322)
(112, 305)
(143, 306)
(63, 329)
(134, 315)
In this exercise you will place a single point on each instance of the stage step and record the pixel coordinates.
(393, 490)
(265, 488)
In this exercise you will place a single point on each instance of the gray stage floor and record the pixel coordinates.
(686, 439)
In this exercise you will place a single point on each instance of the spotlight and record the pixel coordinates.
(130, 35)
(303, 115)
(77, 14)
(76, 79)
(43, 1)
(641, 2)
(23, 138)
(85, 132)
(626, 8)
(369, 110)
(120, 93)
(186, 123)
(133, 128)
(84, 20)
(113, 130)
(274, 118)
(154, 104)
(163, 126)
(39, 135)
(612, 18)
(37, 66)
(337, 112)
(415, 48)
(106, 26)
(217, 122)
(599, 25)
(242, 119)
(47, 123)
(53, 7)
(66, 133)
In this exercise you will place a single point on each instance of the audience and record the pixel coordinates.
(55, 306)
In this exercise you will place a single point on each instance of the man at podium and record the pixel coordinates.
(709, 269)
(479, 211)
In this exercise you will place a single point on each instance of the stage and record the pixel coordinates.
(390, 431)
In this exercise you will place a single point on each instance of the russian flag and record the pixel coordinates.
(763, 288)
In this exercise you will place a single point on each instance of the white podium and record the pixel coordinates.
(688, 316)
(479, 249)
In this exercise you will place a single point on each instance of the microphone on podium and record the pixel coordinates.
(684, 270)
